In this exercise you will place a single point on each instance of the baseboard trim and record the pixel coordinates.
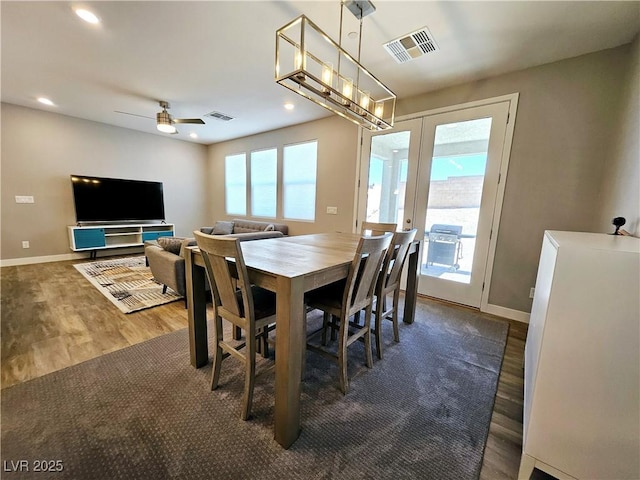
(12, 262)
(505, 312)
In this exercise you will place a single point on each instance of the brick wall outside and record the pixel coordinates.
(456, 192)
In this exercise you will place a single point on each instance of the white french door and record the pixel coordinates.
(441, 174)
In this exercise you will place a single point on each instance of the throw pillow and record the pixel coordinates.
(171, 244)
(222, 228)
(270, 228)
(207, 230)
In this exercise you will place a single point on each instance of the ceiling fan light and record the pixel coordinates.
(164, 128)
(164, 122)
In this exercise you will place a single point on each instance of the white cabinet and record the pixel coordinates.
(582, 359)
(99, 237)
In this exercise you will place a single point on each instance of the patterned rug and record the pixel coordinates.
(127, 283)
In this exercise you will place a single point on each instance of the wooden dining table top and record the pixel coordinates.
(300, 255)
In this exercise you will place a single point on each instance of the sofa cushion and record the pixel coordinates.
(171, 244)
(222, 228)
(187, 242)
(249, 226)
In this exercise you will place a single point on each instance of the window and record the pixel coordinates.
(235, 181)
(299, 181)
(264, 183)
(275, 182)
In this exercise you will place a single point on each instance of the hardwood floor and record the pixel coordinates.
(52, 318)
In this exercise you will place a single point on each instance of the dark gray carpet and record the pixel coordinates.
(144, 412)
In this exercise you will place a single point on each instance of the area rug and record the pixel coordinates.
(127, 282)
(423, 412)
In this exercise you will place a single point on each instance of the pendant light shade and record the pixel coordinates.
(311, 64)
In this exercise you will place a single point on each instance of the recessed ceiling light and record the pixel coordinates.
(87, 16)
(45, 101)
(193, 135)
(289, 106)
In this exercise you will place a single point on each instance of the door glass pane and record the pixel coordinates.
(455, 190)
(388, 166)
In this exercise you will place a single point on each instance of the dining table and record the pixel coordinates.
(290, 266)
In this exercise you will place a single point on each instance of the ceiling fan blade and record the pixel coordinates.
(188, 120)
(133, 114)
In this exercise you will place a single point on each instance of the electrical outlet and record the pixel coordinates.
(24, 199)
(25, 244)
(332, 210)
(532, 292)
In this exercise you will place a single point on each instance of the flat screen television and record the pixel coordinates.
(100, 199)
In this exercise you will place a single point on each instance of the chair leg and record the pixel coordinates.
(342, 358)
(334, 327)
(325, 325)
(396, 300)
(378, 328)
(249, 375)
(237, 333)
(164, 289)
(367, 338)
(217, 354)
(264, 341)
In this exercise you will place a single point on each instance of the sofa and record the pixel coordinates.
(165, 256)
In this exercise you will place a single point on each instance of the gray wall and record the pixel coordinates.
(620, 196)
(41, 149)
(336, 176)
(566, 132)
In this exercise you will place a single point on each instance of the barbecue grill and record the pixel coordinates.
(444, 245)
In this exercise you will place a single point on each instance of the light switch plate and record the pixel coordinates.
(24, 199)
(332, 210)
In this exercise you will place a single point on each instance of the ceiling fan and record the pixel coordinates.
(164, 121)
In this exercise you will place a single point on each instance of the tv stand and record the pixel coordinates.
(101, 237)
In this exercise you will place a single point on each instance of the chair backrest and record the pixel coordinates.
(395, 257)
(216, 251)
(378, 228)
(364, 271)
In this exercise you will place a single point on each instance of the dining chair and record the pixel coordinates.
(235, 300)
(377, 228)
(389, 282)
(340, 300)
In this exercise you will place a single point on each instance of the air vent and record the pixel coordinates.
(411, 46)
(219, 116)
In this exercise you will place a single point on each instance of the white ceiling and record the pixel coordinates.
(214, 55)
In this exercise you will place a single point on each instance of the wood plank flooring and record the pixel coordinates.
(52, 318)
